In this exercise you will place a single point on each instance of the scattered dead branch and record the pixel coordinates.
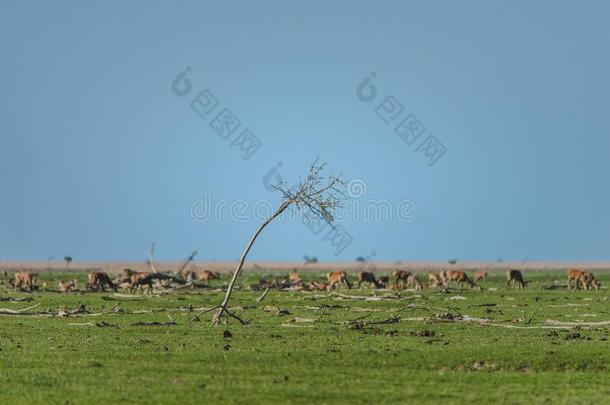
(104, 324)
(263, 295)
(9, 311)
(298, 319)
(340, 297)
(81, 309)
(575, 324)
(15, 299)
(358, 324)
(154, 323)
(276, 310)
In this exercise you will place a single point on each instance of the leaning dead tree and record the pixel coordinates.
(318, 196)
(150, 263)
(186, 262)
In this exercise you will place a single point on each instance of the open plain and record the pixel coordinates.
(541, 344)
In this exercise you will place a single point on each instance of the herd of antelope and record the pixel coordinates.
(100, 281)
(399, 279)
(405, 279)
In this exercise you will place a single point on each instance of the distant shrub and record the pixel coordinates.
(310, 259)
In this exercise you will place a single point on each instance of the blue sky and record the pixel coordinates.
(99, 158)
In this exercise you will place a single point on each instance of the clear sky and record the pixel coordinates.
(100, 156)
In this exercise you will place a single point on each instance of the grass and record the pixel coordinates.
(274, 360)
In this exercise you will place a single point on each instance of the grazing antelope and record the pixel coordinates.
(435, 280)
(139, 279)
(207, 275)
(460, 277)
(367, 277)
(125, 278)
(383, 281)
(400, 277)
(189, 276)
(574, 275)
(336, 279)
(479, 276)
(98, 282)
(295, 278)
(513, 276)
(588, 280)
(413, 282)
(583, 279)
(24, 278)
(67, 286)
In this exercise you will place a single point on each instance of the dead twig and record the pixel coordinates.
(263, 295)
(154, 323)
(205, 311)
(358, 324)
(15, 299)
(340, 297)
(17, 311)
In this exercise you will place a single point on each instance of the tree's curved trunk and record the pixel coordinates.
(225, 301)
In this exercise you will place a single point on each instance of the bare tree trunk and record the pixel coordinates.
(151, 252)
(223, 306)
(185, 263)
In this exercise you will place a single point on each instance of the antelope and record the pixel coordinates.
(574, 275)
(582, 278)
(139, 279)
(98, 281)
(207, 275)
(513, 276)
(67, 286)
(383, 281)
(295, 278)
(189, 276)
(24, 278)
(367, 277)
(413, 282)
(435, 280)
(400, 276)
(588, 279)
(126, 277)
(336, 279)
(480, 276)
(460, 277)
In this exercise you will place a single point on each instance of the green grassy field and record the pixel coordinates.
(311, 347)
